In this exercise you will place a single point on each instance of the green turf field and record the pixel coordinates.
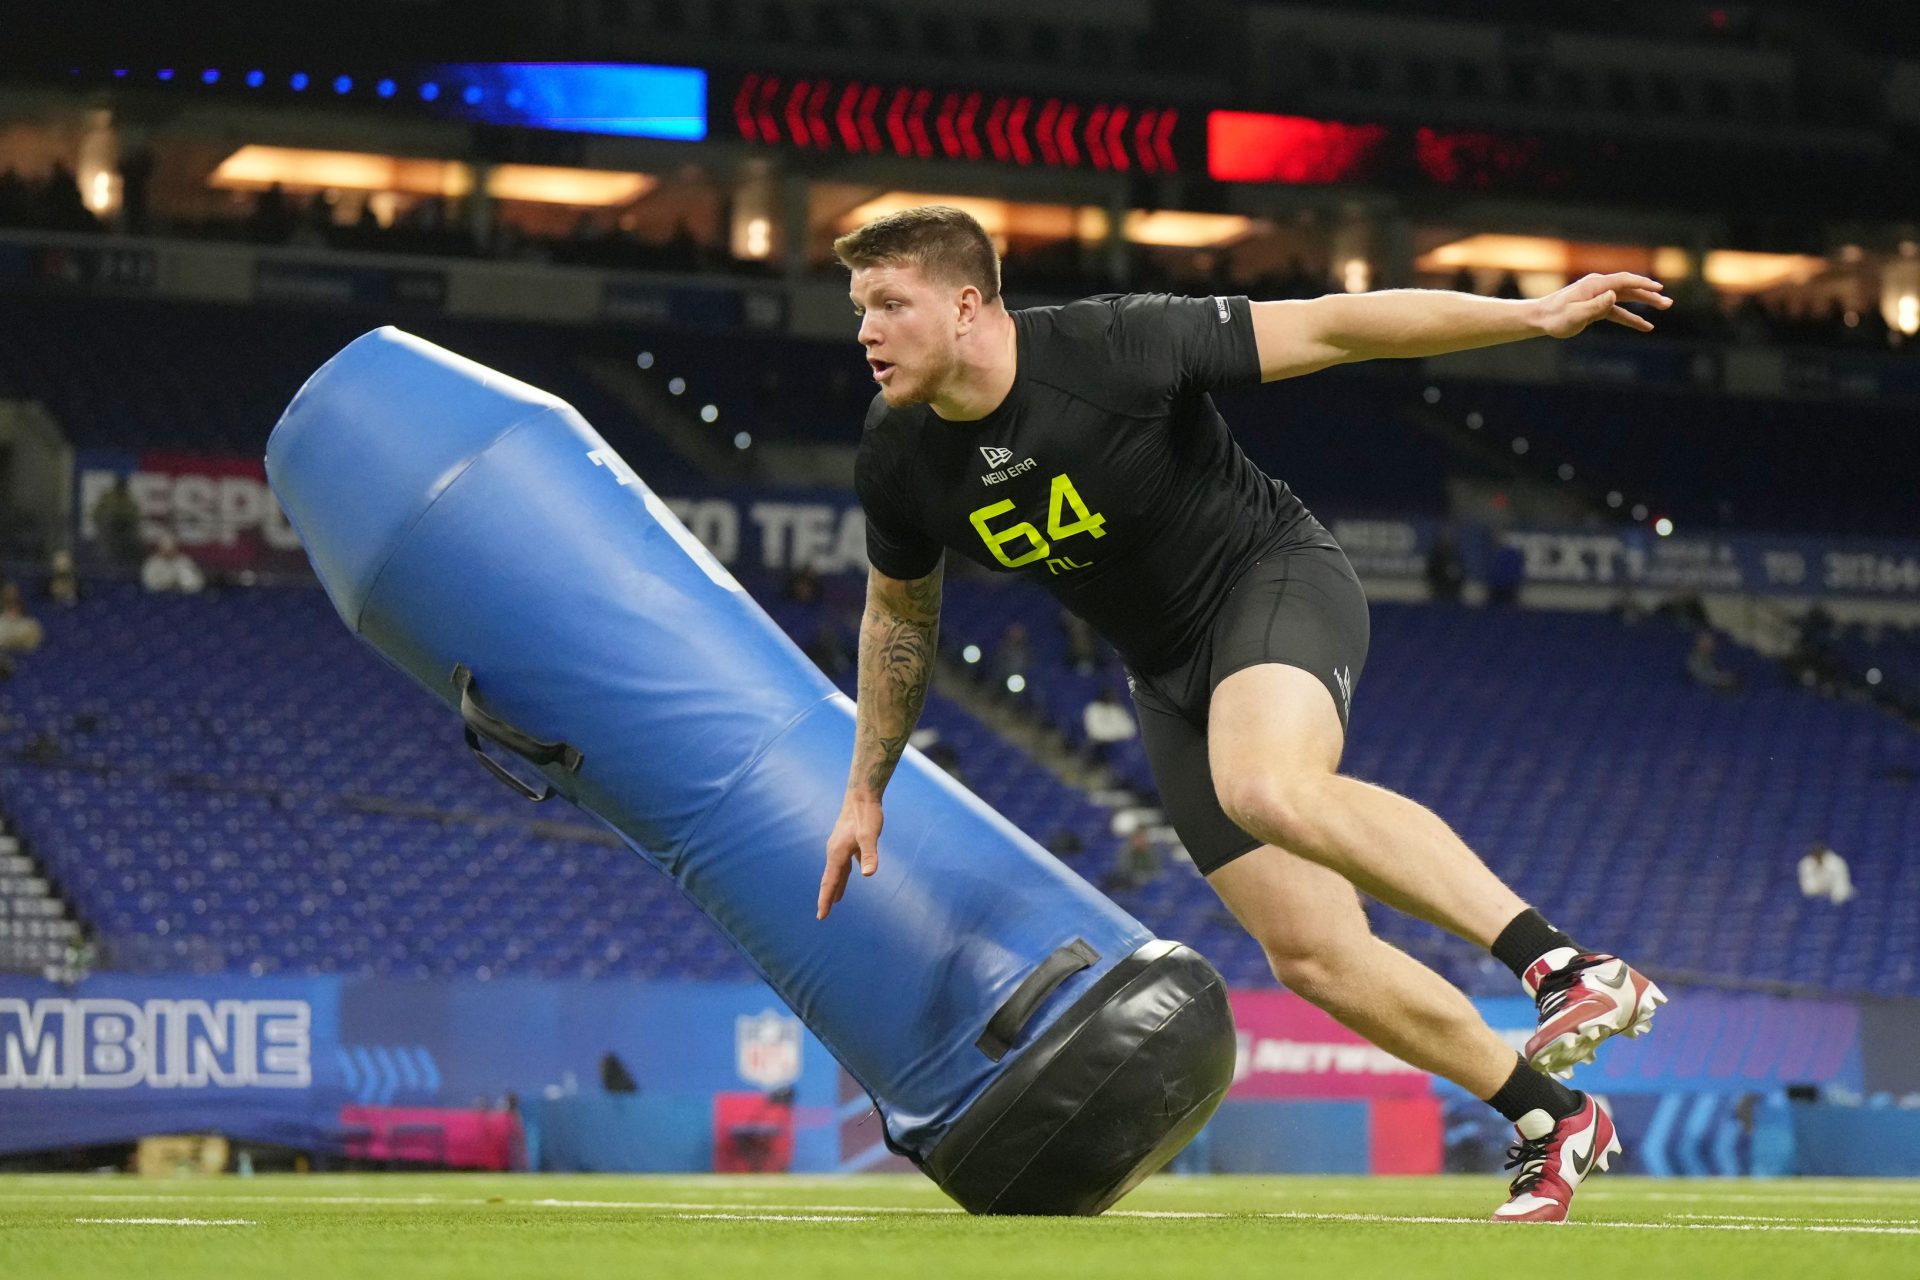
(421, 1226)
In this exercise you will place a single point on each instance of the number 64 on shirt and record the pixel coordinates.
(1063, 495)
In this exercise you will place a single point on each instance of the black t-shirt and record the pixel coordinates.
(1106, 475)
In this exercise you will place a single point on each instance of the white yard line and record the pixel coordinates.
(192, 1198)
(1748, 1197)
(168, 1222)
(710, 1210)
(765, 1217)
(1774, 1217)
(703, 1206)
(1880, 1230)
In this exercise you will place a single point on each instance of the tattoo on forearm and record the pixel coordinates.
(896, 666)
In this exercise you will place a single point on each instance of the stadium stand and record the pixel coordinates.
(238, 784)
(130, 373)
(134, 373)
(1822, 466)
(235, 783)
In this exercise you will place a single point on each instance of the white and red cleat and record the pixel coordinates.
(1553, 1159)
(1583, 998)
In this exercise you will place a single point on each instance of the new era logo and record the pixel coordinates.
(1225, 311)
(996, 457)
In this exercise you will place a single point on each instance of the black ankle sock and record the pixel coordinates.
(1529, 1090)
(1526, 938)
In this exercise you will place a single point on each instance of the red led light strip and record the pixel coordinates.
(1249, 146)
(921, 123)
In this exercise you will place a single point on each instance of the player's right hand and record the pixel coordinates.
(856, 835)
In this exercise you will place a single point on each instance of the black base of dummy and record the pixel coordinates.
(1112, 1091)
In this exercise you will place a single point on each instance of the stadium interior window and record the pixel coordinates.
(1717, 98)
(830, 26)
(776, 23)
(1324, 68)
(669, 16)
(1423, 81)
(1043, 38)
(1623, 92)
(720, 17)
(1469, 79)
(1766, 103)
(1570, 87)
(615, 14)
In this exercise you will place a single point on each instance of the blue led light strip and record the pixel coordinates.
(577, 97)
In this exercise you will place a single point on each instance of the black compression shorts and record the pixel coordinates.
(1303, 608)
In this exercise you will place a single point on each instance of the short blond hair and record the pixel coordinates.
(944, 242)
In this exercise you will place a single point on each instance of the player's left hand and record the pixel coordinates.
(1597, 297)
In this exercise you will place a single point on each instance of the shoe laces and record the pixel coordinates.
(1529, 1155)
(1556, 987)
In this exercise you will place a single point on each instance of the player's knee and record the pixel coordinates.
(1313, 953)
(1279, 808)
(1312, 975)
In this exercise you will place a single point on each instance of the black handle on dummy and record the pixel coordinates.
(529, 748)
(1010, 1019)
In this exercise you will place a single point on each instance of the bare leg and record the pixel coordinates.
(1275, 739)
(1309, 922)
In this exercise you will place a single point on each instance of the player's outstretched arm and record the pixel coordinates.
(1293, 338)
(897, 634)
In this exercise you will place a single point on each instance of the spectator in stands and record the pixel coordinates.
(136, 173)
(1824, 874)
(171, 569)
(683, 249)
(1506, 573)
(273, 216)
(830, 648)
(19, 633)
(1106, 722)
(116, 523)
(943, 754)
(63, 584)
(1446, 575)
(1012, 656)
(75, 964)
(1629, 608)
(803, 586)
(63, 208)
(16, 197)
(1083, 647)
(614, 1077)
(316, 222)
(1138, 863)
(1816, 660)
(1704, 669)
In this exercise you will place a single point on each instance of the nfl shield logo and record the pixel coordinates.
(767, 1049)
